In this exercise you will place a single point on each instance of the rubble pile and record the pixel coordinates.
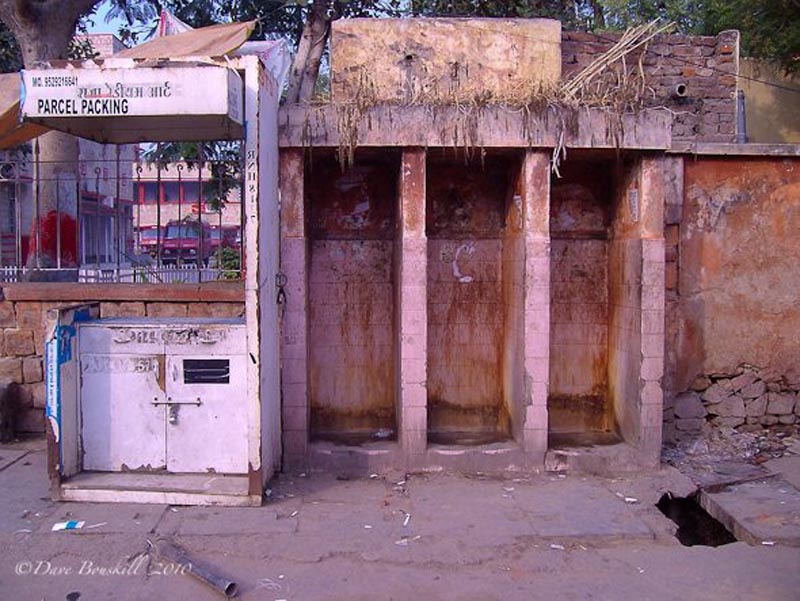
(721, 444)
(749, 401)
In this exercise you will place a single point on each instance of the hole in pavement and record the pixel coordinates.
(695, 525)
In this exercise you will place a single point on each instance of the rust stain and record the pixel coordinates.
(578, 413)
(445, 416)
(579, 317)
(351, 297)
(466, 296)
(292, 197)
(738, 252)
(329, 423)
(162, 372)
(413, 190)
(351, 328)
(467, 201)
(254, 480)
(580, 215)
(359, 203)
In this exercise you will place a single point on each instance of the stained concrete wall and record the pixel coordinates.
(739, 262)
(513, 289)
(351, 298)
(579, 309)
(466, 209)
(771, 103)
(406, 58)
(636, 306)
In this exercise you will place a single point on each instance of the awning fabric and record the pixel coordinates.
(216, 40)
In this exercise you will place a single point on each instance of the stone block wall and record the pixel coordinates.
(733, 354)
(748, 399)
(22, 339)
(706, 65)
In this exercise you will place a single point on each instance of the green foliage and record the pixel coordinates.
(770, 28)
(572, 13)
(10, 55)
(687, 14)
(276, 18)
(81, 48)
(228, 263)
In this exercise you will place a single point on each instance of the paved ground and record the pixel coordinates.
(429, 537)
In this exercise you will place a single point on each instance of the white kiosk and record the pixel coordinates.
(168, 411)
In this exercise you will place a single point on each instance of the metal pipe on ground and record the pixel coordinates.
(166, 549)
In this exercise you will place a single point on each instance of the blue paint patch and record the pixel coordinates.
(66, 333)
(57, 352)
(21, 93)
(52, 391)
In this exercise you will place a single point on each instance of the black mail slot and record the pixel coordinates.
(206, 371)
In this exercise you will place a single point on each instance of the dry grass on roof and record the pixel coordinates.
(611, 83)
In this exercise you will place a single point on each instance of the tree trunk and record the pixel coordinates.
(305, 67)
(598, 16)
(43, 30)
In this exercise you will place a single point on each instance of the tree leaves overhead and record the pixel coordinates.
(770, 28)
(10, 56)
(569, 12)
(276, 18)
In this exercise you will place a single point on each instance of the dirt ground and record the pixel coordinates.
(433, 536)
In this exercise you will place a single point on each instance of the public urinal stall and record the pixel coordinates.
(181, 411)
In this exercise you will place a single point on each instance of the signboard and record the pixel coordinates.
(136, 104)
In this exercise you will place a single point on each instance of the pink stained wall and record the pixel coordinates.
(578, 399)
(351, 332)
(466, 304)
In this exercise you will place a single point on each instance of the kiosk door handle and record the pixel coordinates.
(171, 401)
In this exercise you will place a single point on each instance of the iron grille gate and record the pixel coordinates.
(122, 214)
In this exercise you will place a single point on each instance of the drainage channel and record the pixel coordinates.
(695, 525)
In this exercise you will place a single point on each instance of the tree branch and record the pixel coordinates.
(78, 7)
(305, 66)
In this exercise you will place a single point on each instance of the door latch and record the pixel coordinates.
(174, 407)
(170, 401)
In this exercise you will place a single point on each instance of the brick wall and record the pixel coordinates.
(706, 65)
(22, 337)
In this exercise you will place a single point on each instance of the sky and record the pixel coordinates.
(99, 24)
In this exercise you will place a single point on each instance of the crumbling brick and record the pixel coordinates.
(166, 310)
(39, 395)
(18, 342)
(32, 370)
(7, 317)
(10, 369)
(29, 314)
(124, 309)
